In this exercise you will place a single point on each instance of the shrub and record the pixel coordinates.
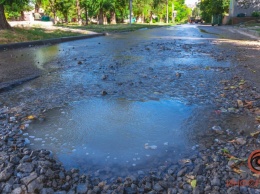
(256, 14)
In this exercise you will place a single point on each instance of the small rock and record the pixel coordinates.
(103, 93)
(14, 159)
(172, 191)
(178, 75)
(101, 184)
(215, 182)
(182, 172)
(240, 141)
(35, 186)
(231, 163)
(7, 188)
(148, 186)
(6, 174)
(17, 190)
(104, 77)
(207, 188)
(217, 129)
(12, 119)
(198, 170)
(25, 167)
(47, 191)
(129, 190)
(187, 187)
(30, 178)
(157, 187)
(82, 188)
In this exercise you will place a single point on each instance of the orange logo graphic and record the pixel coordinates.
(254, 161)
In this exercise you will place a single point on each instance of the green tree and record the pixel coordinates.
(64, 7)
(212, 7)
(50, 8)
(88, 9)
(11, 3)
(196, 11)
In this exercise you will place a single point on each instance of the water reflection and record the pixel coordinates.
(107, 132)
(45, 55)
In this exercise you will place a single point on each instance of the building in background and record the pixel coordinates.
(235, 10)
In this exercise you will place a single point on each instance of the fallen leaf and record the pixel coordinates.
(257, 111)
(193, 183)
(22, 127)
(237, 170)
(230, 156)
(31, 117)
(224, 150)
(240, 103)
(223, 95)
(256, 175)
(255, 134)
(249, 104)
(242, 82)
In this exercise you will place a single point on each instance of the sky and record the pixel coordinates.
(190, 1)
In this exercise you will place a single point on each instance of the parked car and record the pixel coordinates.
(198, 21)
(191, 20)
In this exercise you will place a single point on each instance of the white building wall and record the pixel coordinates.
(234, 9)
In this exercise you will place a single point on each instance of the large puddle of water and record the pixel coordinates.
(102, 132)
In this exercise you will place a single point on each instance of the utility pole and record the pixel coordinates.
(130, 8)
(167, 12)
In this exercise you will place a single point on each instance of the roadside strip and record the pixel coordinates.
(46, 42)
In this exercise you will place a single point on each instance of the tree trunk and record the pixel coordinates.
(167, 12)
(101, 17)
(22, 16)
(3, 22)
(66, 18)
(161, 20)
(79, 13)
(36, 8)
(105, 19)
(113, 17)
(151, 17)
(86, 14)
(54, 18)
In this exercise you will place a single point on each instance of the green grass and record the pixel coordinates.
(23, 34)
(252, 23)
(114, 28)
(30, 34)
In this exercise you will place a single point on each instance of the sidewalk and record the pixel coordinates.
(247, 32)
(250, 31)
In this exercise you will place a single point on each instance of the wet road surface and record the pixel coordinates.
(86, 78)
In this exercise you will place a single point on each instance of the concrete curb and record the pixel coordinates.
(46, 42)
(9, 84)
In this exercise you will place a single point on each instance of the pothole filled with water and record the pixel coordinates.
(101, 133)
